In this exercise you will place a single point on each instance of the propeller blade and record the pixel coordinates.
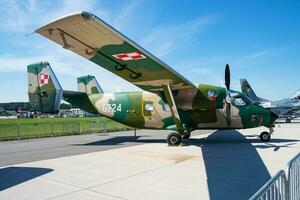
(227, 77)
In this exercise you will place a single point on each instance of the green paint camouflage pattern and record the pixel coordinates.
(90, 37)
(132, 111)
(44, 97)
(196, 109)
(88, 84)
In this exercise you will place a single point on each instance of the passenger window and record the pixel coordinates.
(166, 107)
(149, 107)
(238, 102)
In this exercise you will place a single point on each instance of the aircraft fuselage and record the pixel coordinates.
(200, 108)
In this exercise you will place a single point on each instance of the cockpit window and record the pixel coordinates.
(238, 102)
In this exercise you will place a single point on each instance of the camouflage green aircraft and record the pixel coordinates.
(168, 100)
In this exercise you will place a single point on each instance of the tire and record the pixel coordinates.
(265, 136)
(174, 139)
(186, 136)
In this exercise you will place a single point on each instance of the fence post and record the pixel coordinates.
(104, 123)
(18, 131)
(52, 129)
(81, 127)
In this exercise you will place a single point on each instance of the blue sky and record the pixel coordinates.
(259, 39)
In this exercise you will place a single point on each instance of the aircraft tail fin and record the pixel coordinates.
(89, 85)
(248, 91)
(44, 90)
(296, 95)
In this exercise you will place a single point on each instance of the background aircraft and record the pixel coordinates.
(168, 100)
(285, 108)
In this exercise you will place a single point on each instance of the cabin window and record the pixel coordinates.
(149, 106)
(238, 102)
(166, 107)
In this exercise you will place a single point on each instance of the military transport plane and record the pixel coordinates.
(168, 100)
(284, 108)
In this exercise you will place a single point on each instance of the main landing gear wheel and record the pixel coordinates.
(174, 139)
(186, 136)
(265, 136)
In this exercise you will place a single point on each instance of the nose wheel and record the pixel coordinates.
(266, 136)
(174, 139)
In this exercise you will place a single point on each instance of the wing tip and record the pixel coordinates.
(85, 14)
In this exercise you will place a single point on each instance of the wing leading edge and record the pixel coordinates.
(90, 37)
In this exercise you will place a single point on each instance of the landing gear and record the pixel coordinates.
(186, 136)
(174, 139)
(265, 136)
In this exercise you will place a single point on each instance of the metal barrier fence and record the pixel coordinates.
(284, 185)
(51, 129)
(293, 176)
(275, 188)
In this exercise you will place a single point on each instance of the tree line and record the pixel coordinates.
(24, 106)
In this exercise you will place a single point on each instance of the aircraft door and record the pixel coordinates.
(151, 112)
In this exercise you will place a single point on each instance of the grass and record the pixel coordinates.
(11, 129)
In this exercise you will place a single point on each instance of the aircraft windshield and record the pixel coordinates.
(238, 102)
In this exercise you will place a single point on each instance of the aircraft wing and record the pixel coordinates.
(90, 37)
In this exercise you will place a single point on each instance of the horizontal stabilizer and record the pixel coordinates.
(80, 100)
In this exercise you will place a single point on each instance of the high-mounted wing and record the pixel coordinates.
(90, 37)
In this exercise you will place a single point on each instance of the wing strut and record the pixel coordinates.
(169, 95)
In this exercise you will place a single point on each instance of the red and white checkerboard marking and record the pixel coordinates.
(136, 55)
(44, 78)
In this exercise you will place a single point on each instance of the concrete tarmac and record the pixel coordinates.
(211, 165)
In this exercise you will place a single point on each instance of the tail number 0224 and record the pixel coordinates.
(112, 107)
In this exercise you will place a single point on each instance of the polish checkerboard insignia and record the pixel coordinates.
(136, 55)
(43, 79)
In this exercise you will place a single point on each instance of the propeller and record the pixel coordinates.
(227, 77)
(228, 97)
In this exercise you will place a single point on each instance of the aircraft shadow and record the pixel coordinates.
(233, 166)
(11, 176)
(114, 141)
